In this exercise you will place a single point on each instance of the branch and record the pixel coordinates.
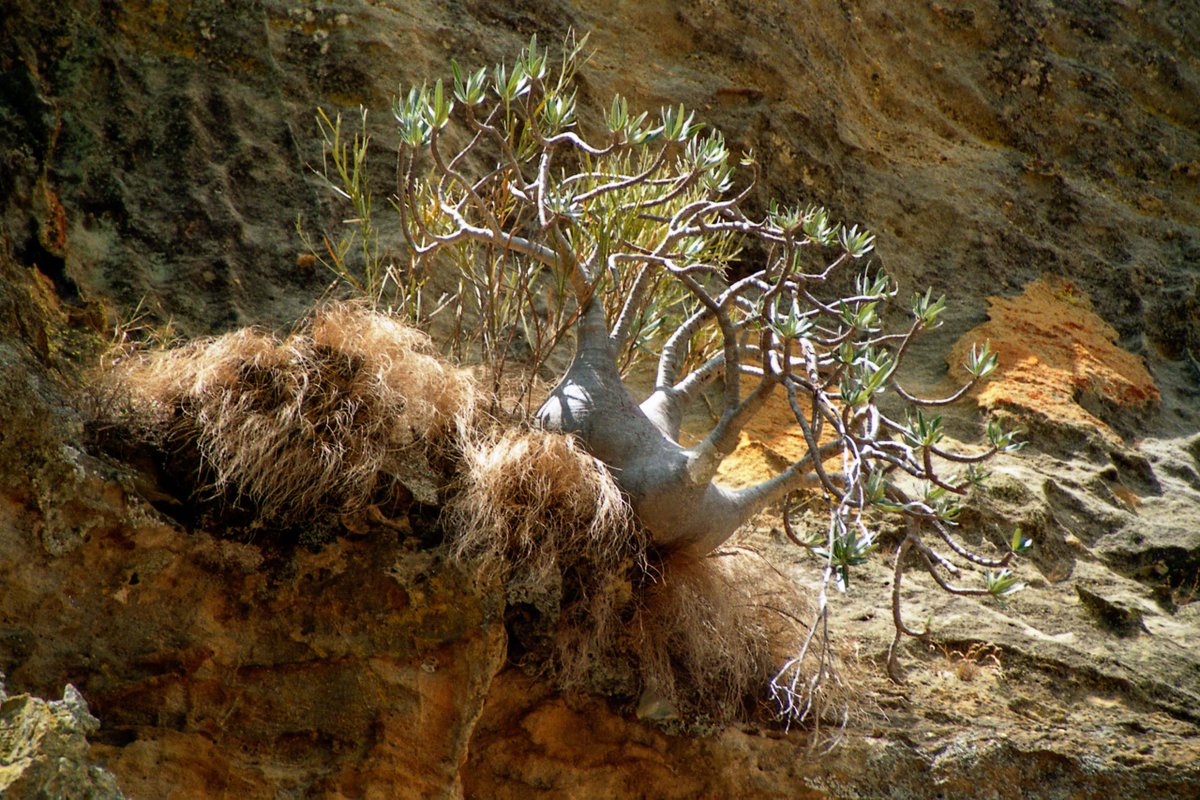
(796, 476)
(810, 437)
(897, 618)
(706, 457)
(675, 351)
(676, 348)
(700, 377)
(728, 334)
(974, 558)
(625, 183)
(543, 182)
(502, 140)
(944, 401)
(683, 183)
(958, 458)
(449, 172)
(929, 557)
(507, 241)
(630, 309)
(567, 137)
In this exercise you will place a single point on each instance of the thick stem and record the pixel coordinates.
(650, 467)
(666, 404)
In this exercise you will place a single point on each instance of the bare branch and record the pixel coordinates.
(449, 172)
(625, 183)
(630, 308)
(943, 401)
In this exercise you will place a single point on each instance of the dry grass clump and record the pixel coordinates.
(533, 504)
(527, 497)
(545, 517)
(331, 417)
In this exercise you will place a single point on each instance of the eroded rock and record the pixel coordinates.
(44, 749)
(1057, 358)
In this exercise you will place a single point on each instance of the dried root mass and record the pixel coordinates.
(536, 501)
(712, 632)
(330, 417)
(696, 639)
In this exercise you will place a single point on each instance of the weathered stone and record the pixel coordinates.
(44, 749)
(1057, 357)
(359, 669)
(157, 151)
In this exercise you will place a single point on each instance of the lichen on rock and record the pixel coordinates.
(44, 749)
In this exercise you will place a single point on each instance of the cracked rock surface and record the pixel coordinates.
(153, 156)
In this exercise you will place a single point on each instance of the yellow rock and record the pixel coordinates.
(1054, 349)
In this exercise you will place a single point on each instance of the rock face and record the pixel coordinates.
(153, 156)
(950, 737)
(1057, 357)
(44, 749)
(219, 667)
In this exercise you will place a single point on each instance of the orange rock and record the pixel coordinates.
(1054, 350)
(767, 446)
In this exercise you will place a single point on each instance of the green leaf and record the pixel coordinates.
(618, 114)
(533, 62)
(981, 361)
(469, 92)
(924, 432)
(678, 125)
(440, 106)
(879, 287)
(976, 475)
(1020, 543)
(856, 243)
(849, 550)
(411, 112)
(817, 227)
(1001, 439)
(785, 218)
(789, 323)
(558, 112)
(1002, 583)
(876, 487)
(926, 309)
(510, 87)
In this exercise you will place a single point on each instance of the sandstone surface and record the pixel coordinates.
(154, 158)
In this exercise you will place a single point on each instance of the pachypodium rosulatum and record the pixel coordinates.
(634, 240)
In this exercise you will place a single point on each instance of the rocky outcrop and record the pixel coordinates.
(988, 733)
(1057, 358)
(44, 749)
(154, 155)
(222, 667)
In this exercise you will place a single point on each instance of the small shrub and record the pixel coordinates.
(631, 233)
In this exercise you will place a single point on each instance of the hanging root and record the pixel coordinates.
(714, 631)
(339, 413)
